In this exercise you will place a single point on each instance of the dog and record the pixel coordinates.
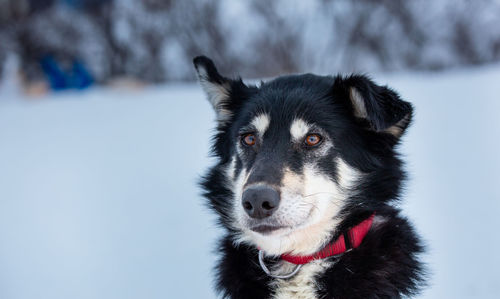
(305, 186)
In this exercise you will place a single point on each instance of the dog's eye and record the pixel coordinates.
(312, 139)
(248, 139)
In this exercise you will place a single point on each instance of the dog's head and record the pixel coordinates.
(298, 151)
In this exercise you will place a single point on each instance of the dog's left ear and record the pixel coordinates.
(218, 88)
(379, 106)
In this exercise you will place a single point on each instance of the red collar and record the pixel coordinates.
(347, 241)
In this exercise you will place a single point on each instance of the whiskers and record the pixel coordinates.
(317, 193)
(333, 201)
(314, 206)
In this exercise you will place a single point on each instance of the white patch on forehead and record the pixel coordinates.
(299, 129)
(261, 123)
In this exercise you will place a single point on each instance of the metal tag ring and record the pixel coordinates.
(268, 272)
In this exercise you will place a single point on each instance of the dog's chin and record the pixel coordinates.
(268, 227)
(273, 240)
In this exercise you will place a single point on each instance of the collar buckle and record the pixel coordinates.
(268, 272)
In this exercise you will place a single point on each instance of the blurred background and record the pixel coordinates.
(104, 133)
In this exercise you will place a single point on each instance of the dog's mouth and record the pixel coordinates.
(272, 227)
(266, 229)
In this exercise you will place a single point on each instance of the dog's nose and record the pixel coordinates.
(260, 201)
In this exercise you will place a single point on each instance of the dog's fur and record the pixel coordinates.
(324, 189)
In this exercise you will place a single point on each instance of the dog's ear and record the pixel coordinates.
(217, 87)
(379, 106)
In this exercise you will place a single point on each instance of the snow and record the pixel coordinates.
(98, 193)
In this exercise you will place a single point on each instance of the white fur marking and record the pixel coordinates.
(231, 168)
(347, 175)
(299, 129)
(302, 285)
(261, 123)
(239, 215)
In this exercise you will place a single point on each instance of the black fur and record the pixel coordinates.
(386, 265)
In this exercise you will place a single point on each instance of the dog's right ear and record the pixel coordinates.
(217, 87)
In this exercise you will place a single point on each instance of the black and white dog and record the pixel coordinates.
(305, 181)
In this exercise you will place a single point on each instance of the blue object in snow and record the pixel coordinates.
(55, 75)
(78, 77)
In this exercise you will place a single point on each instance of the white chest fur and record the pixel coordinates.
(303, 284)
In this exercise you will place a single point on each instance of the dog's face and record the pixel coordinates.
(294, 151)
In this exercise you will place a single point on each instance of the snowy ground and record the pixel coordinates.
(98, 195)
